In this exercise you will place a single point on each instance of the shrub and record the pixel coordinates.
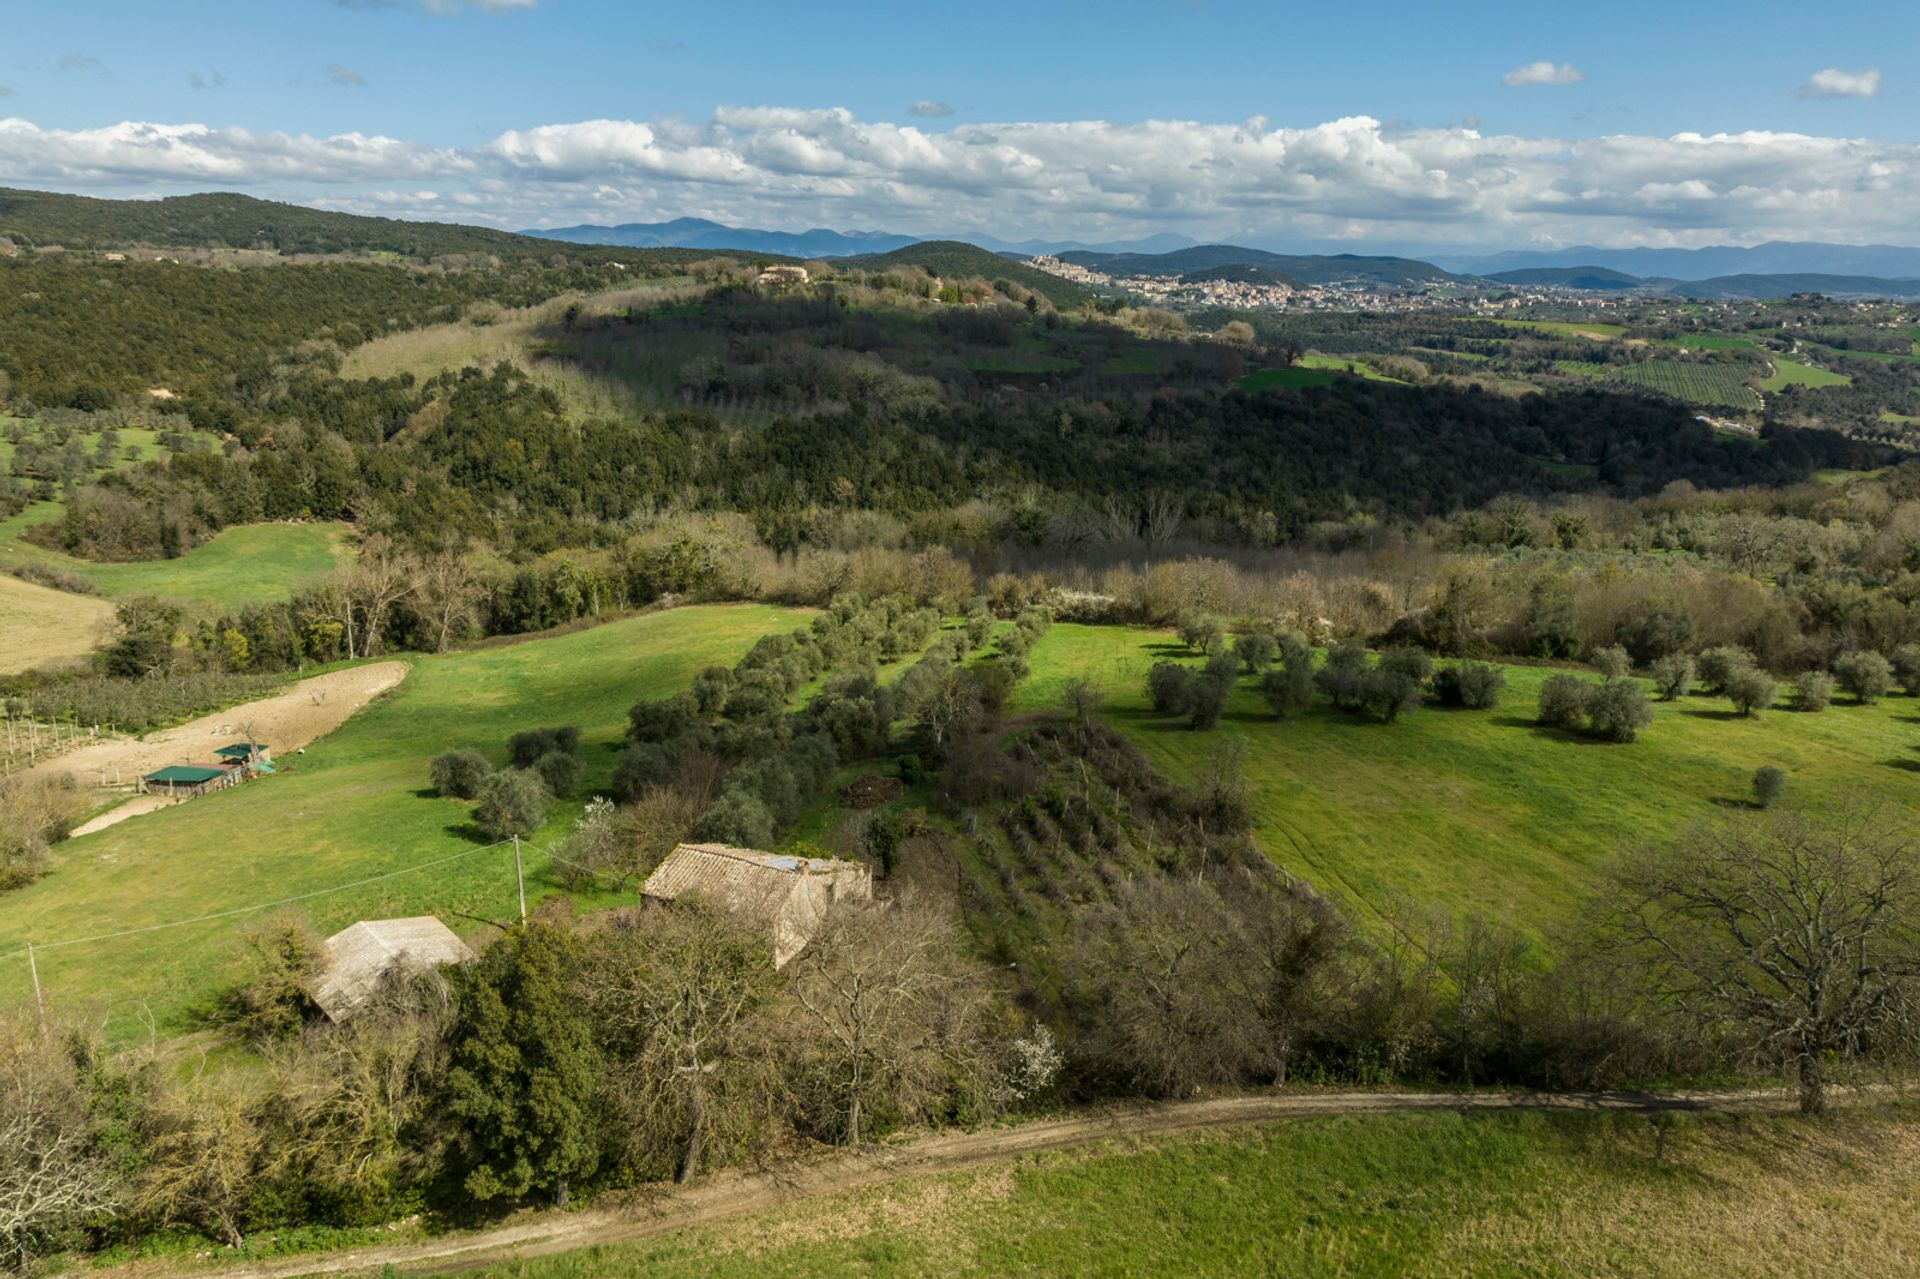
(1768, 783)
(559, 772)
(1396, 685)
(1751, 690)
(1200, 632)
(1563, 701)
(736, 818)
(511, 802)
(458, 774)
(912, 770)
(1288, 688)
(525, 749)
(1906, 668)
(1867, 676)
(710, 688)
(657, 721)
(1209, 697)
(1474, 685)
(1673, 675)
(1222, 668)
(1617, 710)
(640, 766)
(1170, 688)
(1256, 651)
(1812, 691)
(1612, 662)
(1719, 665)
(1342, 677)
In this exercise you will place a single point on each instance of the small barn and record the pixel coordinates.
(787, 897)
(246, 753)
(361, 956)
(181, 781)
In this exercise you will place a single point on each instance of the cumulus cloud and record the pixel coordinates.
(1348, 179)
(1835, 83)
(929, 109)
(345, 77)
(1543, 72)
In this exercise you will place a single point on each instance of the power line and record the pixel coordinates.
(243, 910)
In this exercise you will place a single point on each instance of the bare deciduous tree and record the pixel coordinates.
(51, 1177)
(448, 589)
(1798, 938)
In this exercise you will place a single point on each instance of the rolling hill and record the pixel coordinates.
(1776, 257)
(1596, 278)
(1308, 269)
(1779, 286)
(699, 233)
(959, 259)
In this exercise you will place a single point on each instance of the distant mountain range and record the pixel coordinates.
(1777, 257)
(1337, 268)
(699, 233)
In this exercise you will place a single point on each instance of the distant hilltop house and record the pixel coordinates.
(784, 896)
(782, 276)
(362, 956)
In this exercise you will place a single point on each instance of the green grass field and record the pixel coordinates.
(238, 566)
(1346, 364)
(1563, 329)
(1482, 811)
(1709, 342)
(1788, 371)
(356, 805)
(1293, 379)
(1503, 1196)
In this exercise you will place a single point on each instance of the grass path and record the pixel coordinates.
(355, 805)
(1298, 1183)
(1482, 811)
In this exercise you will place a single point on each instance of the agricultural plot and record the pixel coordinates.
(239, 566)
(355, 806)
(44, 627)
(1352, 364)
(1788, 371)
(1479, 812)
(1709, 342)
(1708, 385)
(1556, 328)
(1292, 378)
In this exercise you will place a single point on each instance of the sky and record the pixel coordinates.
(1371, 126)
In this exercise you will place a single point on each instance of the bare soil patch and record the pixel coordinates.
(284, 722)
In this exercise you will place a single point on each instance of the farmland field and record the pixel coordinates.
(1424, 1195)
(40, 626)
(355, 805)
(1353, 364)
(1708, 385)
(1557, 328)
(1480, 812)
(238, 566)
(1291, 378)
(1788, 371)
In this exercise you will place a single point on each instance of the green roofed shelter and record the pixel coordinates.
(244, 751)
(186, 779)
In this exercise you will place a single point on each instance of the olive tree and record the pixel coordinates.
(1673, 676)
(1868, 677)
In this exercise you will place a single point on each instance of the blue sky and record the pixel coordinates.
(1485, 124)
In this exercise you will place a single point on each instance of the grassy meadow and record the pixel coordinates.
(1480, 811)
(1389, 1195)
(356, 805)
(39, 625)
(238, 566)
(1788, 371)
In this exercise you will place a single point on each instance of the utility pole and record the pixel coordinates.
(39, 1001)
(519, 877)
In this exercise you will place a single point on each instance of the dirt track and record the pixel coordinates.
(738, 1194)
(284, 722)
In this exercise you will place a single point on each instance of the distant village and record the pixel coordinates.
(1180, 293)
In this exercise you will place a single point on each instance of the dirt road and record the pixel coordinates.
(739, 1194)
(284, 722)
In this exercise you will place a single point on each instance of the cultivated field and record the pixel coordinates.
(1708, 385)
(40, 626)
(356, 805)
(1481, 811)
(239, 566)
(1413, 1195)
(1788, 371)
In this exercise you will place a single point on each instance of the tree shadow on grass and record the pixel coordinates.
(1741, 805)
(1905, 765)
(1716, 715)
(426, 792)
(469, 831)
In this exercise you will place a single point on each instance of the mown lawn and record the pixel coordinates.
(356, 805)
(1390, 1195)
(241, 565)
(1482, 812)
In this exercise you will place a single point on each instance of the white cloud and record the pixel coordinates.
(1348, 179)
(929, 109)
(1834, 83)
(1543, 72)
(345, 77)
